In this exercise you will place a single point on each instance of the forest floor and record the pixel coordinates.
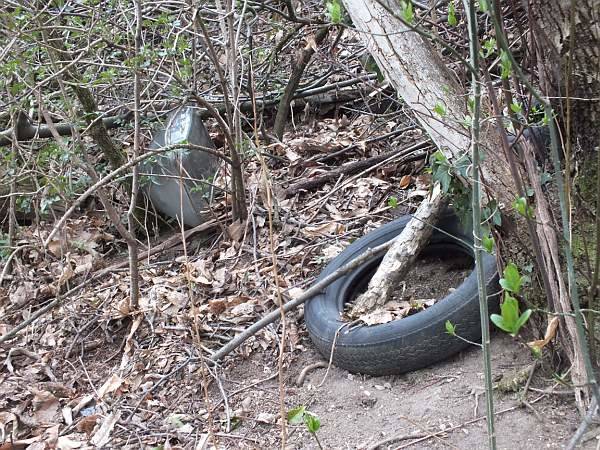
(92, 373)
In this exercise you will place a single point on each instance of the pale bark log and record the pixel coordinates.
(424, 81)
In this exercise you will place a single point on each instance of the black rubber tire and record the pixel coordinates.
(415, 341)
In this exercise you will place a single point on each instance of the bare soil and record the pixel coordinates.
(439, 407)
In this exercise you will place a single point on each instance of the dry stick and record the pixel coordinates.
(309, 368)
(354, 167)
(27, 130)
(583, 426)
(308, 294)
(425, 437)
(580, 347)
(303, 60)
(514, 171)
(371, 140)
(469, 6)
(132, 244)
(24, 130)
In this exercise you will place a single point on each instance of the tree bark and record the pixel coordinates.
(426, 85)
(567, 48)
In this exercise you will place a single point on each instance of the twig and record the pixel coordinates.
(357, 166)
(299, 66)
(477, 228)
(585, 423)
(309, 368)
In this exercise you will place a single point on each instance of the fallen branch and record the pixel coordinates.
(304, 58)
(357, 166)
(25, 130)
(309, 293)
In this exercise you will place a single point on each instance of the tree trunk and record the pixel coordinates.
(437, 99)
(567, 48)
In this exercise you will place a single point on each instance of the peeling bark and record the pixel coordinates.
(416, 71)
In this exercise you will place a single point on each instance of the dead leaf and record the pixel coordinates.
(57, 247)
(217, 306)
(87, 424)
(295, 292)
(292, 155)
(127, 350)
(66, 274)
(24, 294)
(64, 443)
(377, 317)
(266, 418)
(236, 230)
(113, 383)
(243, 309)
(83, 264)
(102, 436)
(310, 43)
(20, 444)
(331, 251)
(550, 334)
(423, 181)
(46, 407)
(405, 181)
(325, 229)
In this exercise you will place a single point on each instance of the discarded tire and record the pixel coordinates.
(412, 342)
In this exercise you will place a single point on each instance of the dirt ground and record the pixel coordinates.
(146, 391)
(439, 407)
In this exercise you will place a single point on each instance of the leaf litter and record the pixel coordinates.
(187, 307)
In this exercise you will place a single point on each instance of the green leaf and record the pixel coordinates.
(488, 244)
(510, 311)
(407, 11)
(312, 422)
(452, 15)
(484, 6)
(546, 120)
(450, 328)
(499, 322)
(511, 281)
(489, 45)
(296, 415)
(471, 104)
(523, 318)
(392, 202)
(440, 170)
(506, 64)
(439, 110)
(509, 320)
(516, 108)
(335, 11)
(524, 209)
